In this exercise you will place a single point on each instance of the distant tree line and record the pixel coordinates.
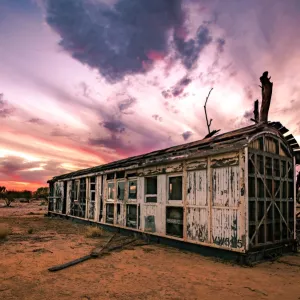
(10, 195)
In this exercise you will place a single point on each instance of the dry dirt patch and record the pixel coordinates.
(145, 272)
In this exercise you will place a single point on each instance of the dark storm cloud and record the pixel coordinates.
(14, 164)
(36, 121)
(124, 38)
(113, 126)
(112, 142)
(124, 105)
(186, 135)
(220, 45)
(248, 114)
(157, 118)
(115, 40)
(190, 50)
(248, 92)
(5, 109)
(6, 112)
(61, 133)
(177, 89)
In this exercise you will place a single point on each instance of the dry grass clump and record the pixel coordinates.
(4, 231)
(93, 232)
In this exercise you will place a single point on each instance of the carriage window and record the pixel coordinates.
(132, 189)
(175, 188)
(151, 189)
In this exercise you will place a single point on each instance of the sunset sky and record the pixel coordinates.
(84, 82)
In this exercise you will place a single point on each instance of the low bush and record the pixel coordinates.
(4, 231)
(93, 232)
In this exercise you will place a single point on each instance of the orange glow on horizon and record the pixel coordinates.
(21, 186)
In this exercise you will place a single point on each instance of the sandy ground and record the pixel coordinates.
(142, 272)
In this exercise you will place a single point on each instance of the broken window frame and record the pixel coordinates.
(92, 194)
(118, 182)
(147, 196)
(130, 222)
(168, 187)
(76, 190)
(128, 185)
(273, 225)
(111, 182)
(108, 219)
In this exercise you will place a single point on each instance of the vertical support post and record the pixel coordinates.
(68, 197)
(87, 197)
(256, 199)
(243, 205)
(125, 201)
(295, 197)
(97, 199)
(115, 198)
(209, 195)
(184, 177)
(104, 197)
(273, 200)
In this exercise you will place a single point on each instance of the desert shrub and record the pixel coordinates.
(30, 231)
(93, 232)
(4, 231)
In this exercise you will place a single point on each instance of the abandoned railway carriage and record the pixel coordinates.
(234, 192)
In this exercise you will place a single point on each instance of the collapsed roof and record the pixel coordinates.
(223, 142)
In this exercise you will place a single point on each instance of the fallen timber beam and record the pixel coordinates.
(95, 253)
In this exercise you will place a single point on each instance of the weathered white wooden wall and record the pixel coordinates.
(214, 206)
(153, 215)
(197, 206)
(69, 193)
(225, 205)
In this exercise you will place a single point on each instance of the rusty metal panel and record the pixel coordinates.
(197, 224)
(225, 188)
(197, 188)
(225, 228)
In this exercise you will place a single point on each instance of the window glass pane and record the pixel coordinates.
(151, 185)
(276, 168)
(251, 169)
(110, 190)
(261, 189)
(132, 190)
(151, 199)
(93, 196)
(284, 189)
(175, 188)
(277, 189)
(121, 190)
(291, 189)
(260, 164)
(283, 168)
(76, 190)
(269, 166)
